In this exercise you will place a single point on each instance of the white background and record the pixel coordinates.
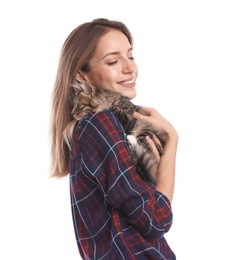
(181, 48)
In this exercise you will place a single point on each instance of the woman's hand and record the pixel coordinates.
(166, 168)
(158, 121)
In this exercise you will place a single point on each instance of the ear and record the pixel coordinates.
(80, 76)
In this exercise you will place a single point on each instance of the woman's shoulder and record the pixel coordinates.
(104, 117)
(103, 121)
(100, 125)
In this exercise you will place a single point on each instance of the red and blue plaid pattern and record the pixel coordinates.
(116, 214)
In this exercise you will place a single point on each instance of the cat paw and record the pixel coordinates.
(132, 141)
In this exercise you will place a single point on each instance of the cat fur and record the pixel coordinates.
(136, 130)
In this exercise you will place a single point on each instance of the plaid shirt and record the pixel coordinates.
(116, 214)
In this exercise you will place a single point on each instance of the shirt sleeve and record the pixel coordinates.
(106, 159)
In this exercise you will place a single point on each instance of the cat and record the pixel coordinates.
(136, 130)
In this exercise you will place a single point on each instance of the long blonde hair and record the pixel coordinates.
(77, 51)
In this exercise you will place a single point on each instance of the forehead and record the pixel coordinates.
(112, 41)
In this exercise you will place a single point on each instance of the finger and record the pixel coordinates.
(156, 140)
(153, 147)
(150, 111)
(138, 115)
(158, 144)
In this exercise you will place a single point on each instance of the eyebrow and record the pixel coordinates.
(115, 52)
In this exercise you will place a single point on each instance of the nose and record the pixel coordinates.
(129, 66)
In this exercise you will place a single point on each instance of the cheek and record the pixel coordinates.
(103, 77)
(93, 77)
(98, 80)
(110, 78)
(107, 77)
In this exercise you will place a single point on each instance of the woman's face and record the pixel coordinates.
(113, 66)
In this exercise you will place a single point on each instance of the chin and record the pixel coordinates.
(130, 93)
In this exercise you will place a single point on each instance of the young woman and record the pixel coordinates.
(116, 214)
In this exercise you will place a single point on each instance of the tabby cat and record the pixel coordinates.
(136, 130)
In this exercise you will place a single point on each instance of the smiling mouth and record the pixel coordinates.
(128, 82)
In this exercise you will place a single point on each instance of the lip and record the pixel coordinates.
(128, 82)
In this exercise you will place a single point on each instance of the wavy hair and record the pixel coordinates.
(76, 53)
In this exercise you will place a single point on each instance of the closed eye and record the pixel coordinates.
(112, 63)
